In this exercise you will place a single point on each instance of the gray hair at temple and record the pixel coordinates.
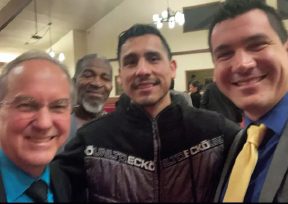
(84, 61)
(31, 55)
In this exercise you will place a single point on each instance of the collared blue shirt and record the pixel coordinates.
(17, 181)
(275, 120)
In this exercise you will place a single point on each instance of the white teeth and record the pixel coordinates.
(249, 81)
(40, 140)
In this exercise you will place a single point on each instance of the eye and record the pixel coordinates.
(153, 57)
(223, 55)
(130, 62)
(87, 74)
(257, 45)
(60, 106)
(27, 106)
(106, 77)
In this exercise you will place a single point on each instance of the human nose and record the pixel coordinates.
(97, 81)
(43, 119)
(143, 68)
(243, 62)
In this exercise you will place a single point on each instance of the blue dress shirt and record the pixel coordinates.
(17, 181)
(275, 120)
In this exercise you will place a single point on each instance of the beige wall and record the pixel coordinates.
(102, 37)
(73, 45)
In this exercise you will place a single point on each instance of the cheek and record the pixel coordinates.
(81, 86)
(63, 121)
(17, 124)
(12, 132)
(108, 87)
(125, 79)
(222, 78)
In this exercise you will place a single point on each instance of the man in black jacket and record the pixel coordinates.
(153, 148)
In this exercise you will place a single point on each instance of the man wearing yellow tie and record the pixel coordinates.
(249, 47)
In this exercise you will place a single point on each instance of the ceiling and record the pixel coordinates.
(22, 19)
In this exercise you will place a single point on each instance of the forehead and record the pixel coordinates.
(37, 68)
(142, 44)
(250, 23)
(36, 74)
(97, 65)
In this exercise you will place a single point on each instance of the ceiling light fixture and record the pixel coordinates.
(36, 36)
(51, 52)
(168, 16)
(60, 56)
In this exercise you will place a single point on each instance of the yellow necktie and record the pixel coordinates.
(244, 165)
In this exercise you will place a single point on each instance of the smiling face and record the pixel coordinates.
(251, 63)
(146, 72)
(35, 114)
(94, 85)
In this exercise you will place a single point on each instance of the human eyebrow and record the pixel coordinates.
(21, 99)
(107, 76)
(87, 73)
(220, 49)
(153, 55)
(130, 59)
(222, 52)
(257, 38)
(61, 102)
(23, 103)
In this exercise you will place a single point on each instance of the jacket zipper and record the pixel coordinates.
(157, 162)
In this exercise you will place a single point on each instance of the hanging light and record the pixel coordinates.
(170, 17)
(51, 52)
(61, 57)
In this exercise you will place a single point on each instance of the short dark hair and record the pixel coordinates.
(195, 83)
(233, 8)
(139, 30)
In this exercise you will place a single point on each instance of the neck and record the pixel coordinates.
(156, 108)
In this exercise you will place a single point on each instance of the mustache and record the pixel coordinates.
(139, 81)
(93, 88)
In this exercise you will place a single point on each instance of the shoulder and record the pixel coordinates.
(60, 183)
(107, 122)
(209, 122)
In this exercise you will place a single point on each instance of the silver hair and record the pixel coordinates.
(82, 63)
(30, 55)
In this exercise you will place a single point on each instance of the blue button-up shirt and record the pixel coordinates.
(275, 120)
(17, 181)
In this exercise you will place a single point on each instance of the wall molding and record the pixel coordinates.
(187, 52)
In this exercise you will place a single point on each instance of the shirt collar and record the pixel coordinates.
(15, 180)
(276, 118)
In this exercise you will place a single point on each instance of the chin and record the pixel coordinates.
(43, 158)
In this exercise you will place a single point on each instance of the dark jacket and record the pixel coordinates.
(127, 156)
(196, 98)
(213, 99)
(60, 186)
(275, 187)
